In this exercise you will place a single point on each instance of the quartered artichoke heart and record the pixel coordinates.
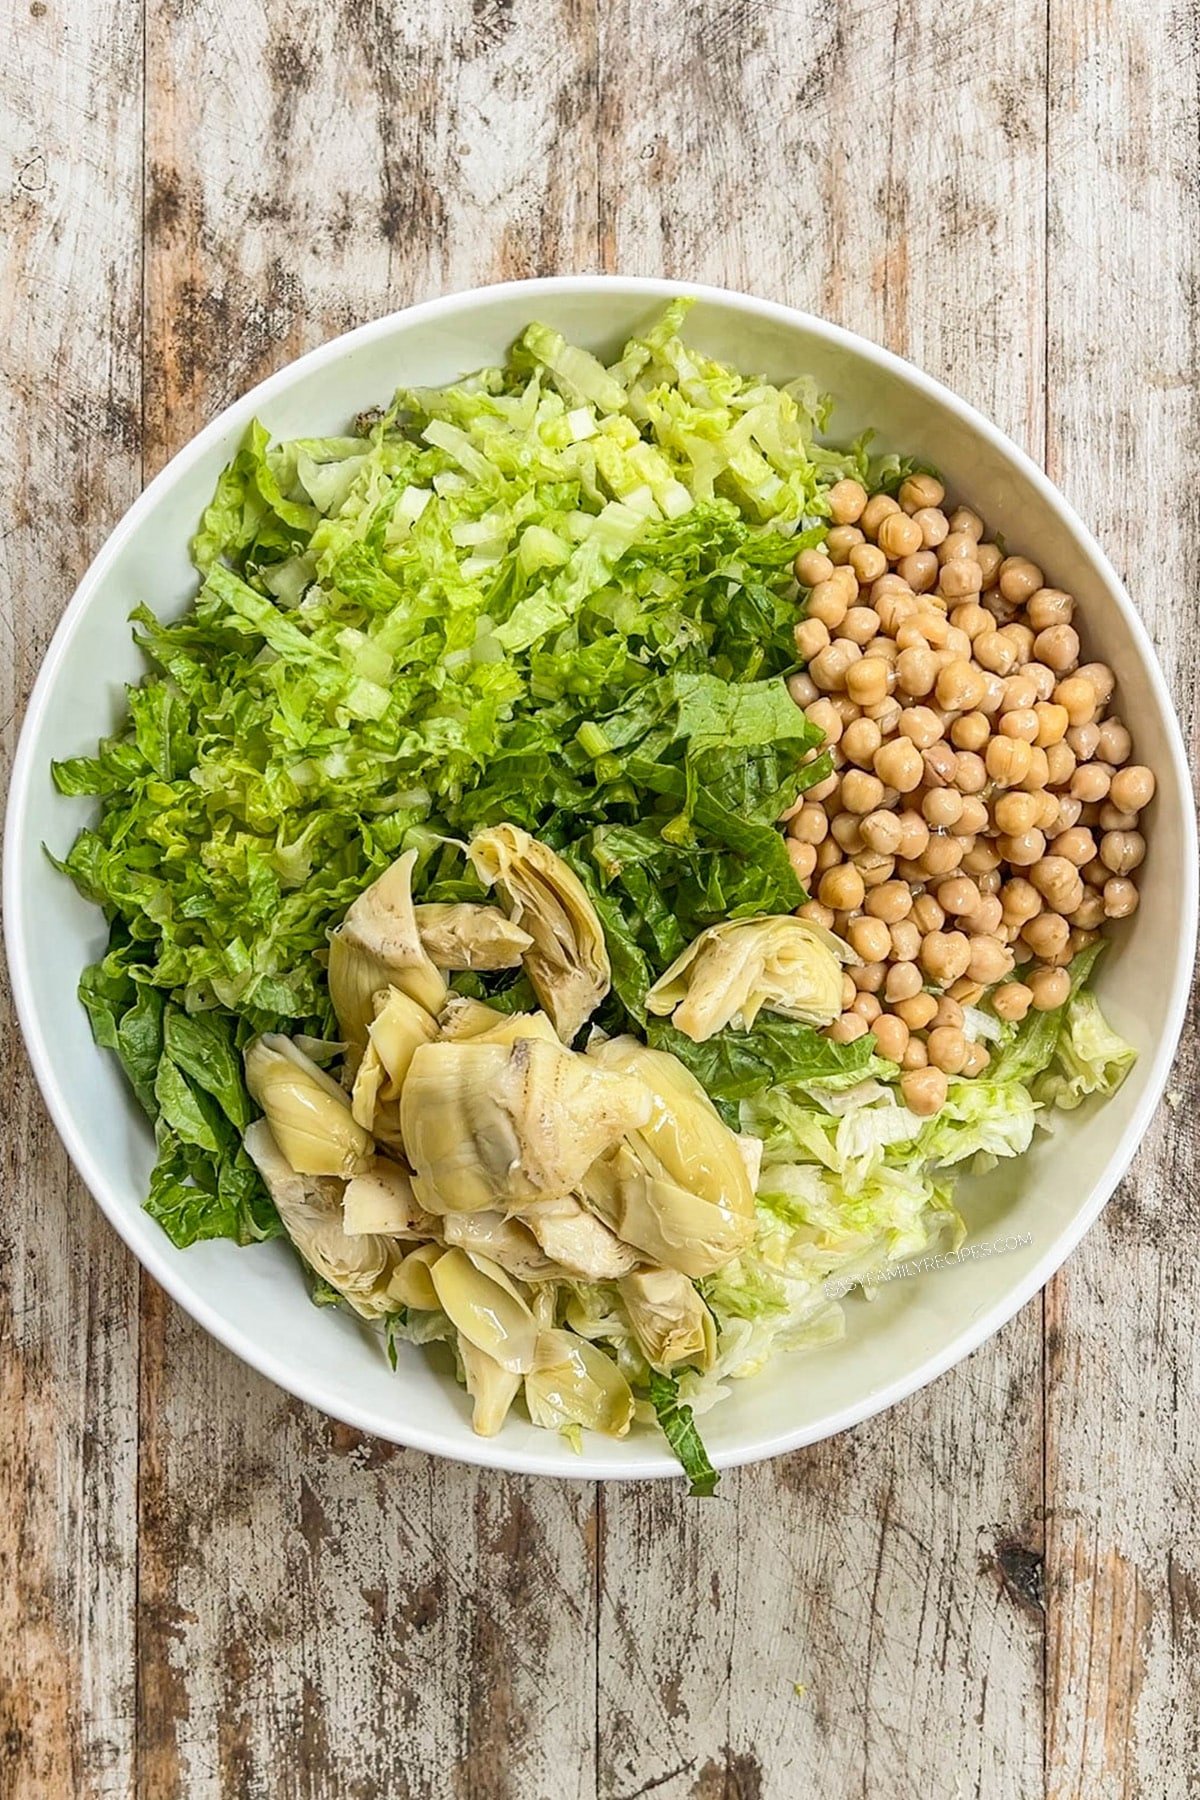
(574, 1383)
(463, 1020)
(482, 1303)
(310, 1208)
(732, 971)
(635, 1194)
(568, 961)
(381, 1200)
(506, 1241)
(491, 1386)
(378, 945)
(491, 1126)
(411, 1284)
(465, 936)
(399, 1027)
(309, 1114)
(685, 1133)
(581, 1245)
(669, 1319)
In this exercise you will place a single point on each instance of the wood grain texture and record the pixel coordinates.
(206, 1589)
(1122, 1421)
(70, 304)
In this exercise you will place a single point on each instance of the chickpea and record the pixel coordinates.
(989, 557)
(803, 858)
(1046, 935)
(868, 562)
(970, 773)
(870, 938)
(1016, 813)
(1050, 817)
(939, 764)
(874, 867)
(995, 652)
(1111, 818)
(981, 858)
(812, 566)
(1120, 898)
(915, 1054)
(917, 491)
(1049, 607)
(1122, 851)
(977, 1060)
(1019, 579)
(1058, 647)
(947, 1049)
(1089, 915)
(869, 681)
(917, 1012)
(922, 629)
(935, 526)
(878, 508)
(891, 1036)
(867, 1007)
(964, 520)
(891, 901)
(1060, 764)
(828, 603)
(819, 915)
(973, 818)
(849, 993)
(846, 502)
(880, 831)
(839, 543)
(920, 725)
(828, 721)
(847, 711)
(945, 955)
(899, 536)
(1079, 699)
(803, 689)
(920, 569)
(868, 977)
(1050, 989)
(826, 790)
(987, 918)
(943, 854)
(942, 808)
(860, 625)
(959, 687)
(886, 714)
(958, 895)
(1132, 787)
(1058, 881)
(846, 835)
(927, 915)
(1095, 873)
(914, 834)
(1042, 680)
(1020, 900)
(1020, 722)
(970, 731)
(894, 608)
(810, 825)
(842, 888)
(972, 618)
(860, 742)
(1077, 844)
(916, 670)
(956, 546)
(1008, 760)
(1022, 849)
(848, 1028)
(1011, 1001)
(902, 983)
(1101, 678)
(960, 578)
(811, 636)
(923, 1091)
(862, 793)
(899, 765)
(1052, 723)
(906, 938)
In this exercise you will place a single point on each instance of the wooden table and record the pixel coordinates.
(207, 1589)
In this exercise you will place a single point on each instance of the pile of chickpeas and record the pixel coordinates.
(981, 822)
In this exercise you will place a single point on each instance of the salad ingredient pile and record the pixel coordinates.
(584, 870)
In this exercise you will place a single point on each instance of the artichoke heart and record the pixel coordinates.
(506, 1241)
(381, 1200)
(669, 1319)
(411, 1284)
(489, 1126)
(310, 1208)
(463, 1020)
(636, 1195)
(309, 1114)
(396, 1031)
(480, 1300)
(685, 1133)
(581, 1244)
(465, 936)
(567, 961)
(492, 1387)
(732, 971)
(378, 945)
(574, 1383)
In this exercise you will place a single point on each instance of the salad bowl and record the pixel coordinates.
(1022, 1219)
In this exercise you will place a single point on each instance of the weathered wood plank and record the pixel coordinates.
(1123, 1437)
(871, 1570)
(322, 1615)
(70, 102)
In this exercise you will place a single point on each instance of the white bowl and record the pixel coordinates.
(254, 1300)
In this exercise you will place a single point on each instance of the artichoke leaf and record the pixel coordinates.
(397, 1029)
(309, 1114)
(572, 1382)
(669, 1318)
(567, 961)
(635, 1195)
(463, 1020)
(580, 1244)
(480, 1300)
(465, 936)
(492, 1387)
(411, 1284)
(728, 974)
(378, 945)
(507, 1241)
(381, 1200)
(310, 1208)
(490, 1126)
(685, 1132)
